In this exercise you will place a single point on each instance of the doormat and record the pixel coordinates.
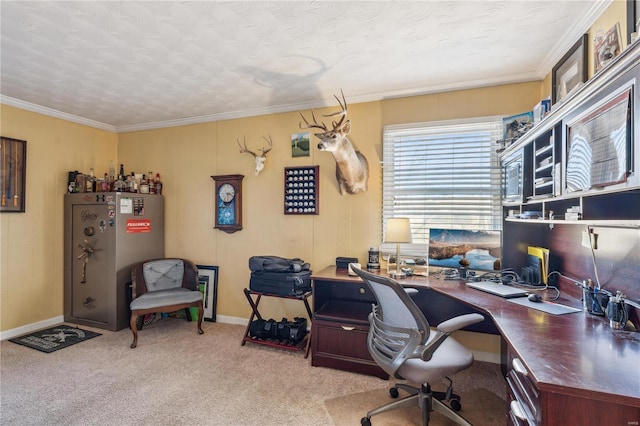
(54, 338)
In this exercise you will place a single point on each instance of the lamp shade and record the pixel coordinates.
(398, 230)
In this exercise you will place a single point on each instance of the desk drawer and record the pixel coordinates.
(343, 346)
(524, 395)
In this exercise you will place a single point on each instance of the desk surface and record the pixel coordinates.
(577, 353)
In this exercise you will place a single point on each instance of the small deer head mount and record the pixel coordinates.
(260, 159)
(352, 168)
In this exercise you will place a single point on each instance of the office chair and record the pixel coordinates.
(401, 343)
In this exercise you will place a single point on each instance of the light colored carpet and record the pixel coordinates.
(479, 407)
(176, 377)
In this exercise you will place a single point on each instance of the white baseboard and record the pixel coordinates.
(231, 320)
(15, 332)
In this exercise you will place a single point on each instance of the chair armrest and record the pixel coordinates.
(443, 331)
(456, 323)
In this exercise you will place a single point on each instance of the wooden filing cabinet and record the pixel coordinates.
(341, 306)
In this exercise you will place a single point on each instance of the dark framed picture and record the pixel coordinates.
(208, 279)
(633, 20)
(570, 72)
(13, 174)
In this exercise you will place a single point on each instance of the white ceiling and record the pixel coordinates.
(138, 65)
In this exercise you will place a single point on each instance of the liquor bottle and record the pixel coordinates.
(151, 183)
(158, 184)
(122, 171)
(120, 185)
(91, 182)
(105, 186)
(144, 186)
(112, 173)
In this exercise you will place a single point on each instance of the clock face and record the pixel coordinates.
(226, 192)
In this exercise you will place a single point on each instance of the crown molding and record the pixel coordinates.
(7, 100)
(372, 97)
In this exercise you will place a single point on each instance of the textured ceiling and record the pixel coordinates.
(134, 65)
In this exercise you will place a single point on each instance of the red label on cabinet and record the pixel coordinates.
(137, 226)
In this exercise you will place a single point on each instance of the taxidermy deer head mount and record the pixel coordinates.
(352, 168)
(260, 159)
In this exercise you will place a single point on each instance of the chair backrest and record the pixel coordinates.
(398, 326)
(163, 274)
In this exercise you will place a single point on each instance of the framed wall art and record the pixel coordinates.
(301, 192)
(13, 173)
(633, 20)
(570, 72)
(300, 144)
(606, 46)
(208, 280)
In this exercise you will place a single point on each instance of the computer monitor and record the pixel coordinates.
(448, 246)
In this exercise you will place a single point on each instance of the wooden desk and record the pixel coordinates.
(577, 370)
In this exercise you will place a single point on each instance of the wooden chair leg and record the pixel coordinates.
(200, 316)
(134, 328)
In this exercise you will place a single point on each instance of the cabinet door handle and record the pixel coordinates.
(517, 410)
(345, 328)
(518, 366)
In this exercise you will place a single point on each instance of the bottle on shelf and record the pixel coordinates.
(158, 184)
(105, 186)
(144, 185)
(151, 183)
(90, 182)
(112, 173)
(120, 185)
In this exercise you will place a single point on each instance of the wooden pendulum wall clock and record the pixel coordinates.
(228, 206)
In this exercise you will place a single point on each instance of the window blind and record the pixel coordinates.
(442, 175)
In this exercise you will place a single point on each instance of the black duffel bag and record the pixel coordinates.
(292, 331)
(277, 264)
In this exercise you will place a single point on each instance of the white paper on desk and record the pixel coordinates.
(548, 307)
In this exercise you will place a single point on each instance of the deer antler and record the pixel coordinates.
(314, 125)
(343, 113)
(270, 142)
(245, 149)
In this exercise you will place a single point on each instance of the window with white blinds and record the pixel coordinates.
(442, 175)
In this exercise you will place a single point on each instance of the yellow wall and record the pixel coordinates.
(31, 252)
(186, 156)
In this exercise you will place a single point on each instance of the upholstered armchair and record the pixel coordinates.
(164, 285)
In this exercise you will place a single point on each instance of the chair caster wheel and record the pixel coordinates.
(394, 392)
(365, 421)
(455, 405)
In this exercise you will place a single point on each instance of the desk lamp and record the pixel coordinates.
(398, 231)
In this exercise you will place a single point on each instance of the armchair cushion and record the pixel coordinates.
(170, 296)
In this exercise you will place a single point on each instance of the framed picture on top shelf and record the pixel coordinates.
(301, 192)
(633, 20)
(570, 72)
(606, 46)
(13, 162)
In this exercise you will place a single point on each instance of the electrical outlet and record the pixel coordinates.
(589, 240)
